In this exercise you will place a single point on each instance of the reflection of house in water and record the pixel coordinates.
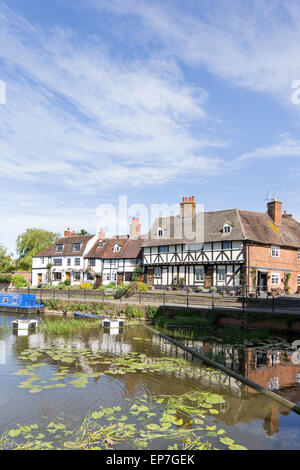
(272, 369)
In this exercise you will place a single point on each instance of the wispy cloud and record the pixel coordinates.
(254, 44)
(83, 118)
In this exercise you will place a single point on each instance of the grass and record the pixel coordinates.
(68, 326)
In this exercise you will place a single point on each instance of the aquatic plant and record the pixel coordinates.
(68, 326)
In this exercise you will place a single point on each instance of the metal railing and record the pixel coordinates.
(213, 300)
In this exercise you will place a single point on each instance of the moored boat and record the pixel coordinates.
(88, 315)
(114, 323)
(20, 303)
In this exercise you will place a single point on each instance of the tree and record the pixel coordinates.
(32, 242)
(5, 260)
(83, 232)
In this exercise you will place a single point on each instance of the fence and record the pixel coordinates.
(184, 299)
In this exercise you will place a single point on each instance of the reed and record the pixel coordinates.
(68, 326)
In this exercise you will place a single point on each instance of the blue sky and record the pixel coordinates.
(151, 99)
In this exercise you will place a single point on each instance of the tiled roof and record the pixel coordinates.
(68, 246)
(260, 228)
(246, 225)
(130, 248)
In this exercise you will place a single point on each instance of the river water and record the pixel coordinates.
(163, 399)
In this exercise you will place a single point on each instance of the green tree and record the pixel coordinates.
(5, 260)
(83, 232)
(32, 242)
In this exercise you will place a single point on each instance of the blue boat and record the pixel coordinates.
(20, 303)
(87, 315)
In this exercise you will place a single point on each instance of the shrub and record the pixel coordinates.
(67, 282)
(133, 312)
(5, 279)
(142, 287)
(86, 285)
(151, 312)
(19, 281)
(120, 293)
(213, 289)
(200, 289)
(61, 285)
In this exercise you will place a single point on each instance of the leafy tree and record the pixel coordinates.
(83, 232)
(5, 260)
(32, 242)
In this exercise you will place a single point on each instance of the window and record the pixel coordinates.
(107, 277)
(76, 246)
(157, 271)
(90, 277)
(195, 246)
(163, 249)
(77, 261)
(59, 248)
(56, 276)
(275, 279)
(69, 262)
(298, 280)
(5, 300)
(92, 262)
(199, 274)
(275, 251)
(117, 248)
(226, 245)
(57, 262)
(15, 300)
(160, 232)
(43, 260)
(76, 276)
(227, 229)
(299, 255)
(221, 274)
(101, 243)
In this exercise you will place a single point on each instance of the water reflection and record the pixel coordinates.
(243, 409)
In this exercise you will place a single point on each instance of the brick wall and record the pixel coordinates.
(259, 256)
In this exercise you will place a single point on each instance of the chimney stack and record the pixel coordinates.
(102, 234)
(67, 233)
(135, 228)
(188, 207)
(275, 211)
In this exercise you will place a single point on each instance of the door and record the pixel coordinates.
(209, 277)
(68, 276)
(120, 278)
(150, 277)
(262, 281)
(40, 279)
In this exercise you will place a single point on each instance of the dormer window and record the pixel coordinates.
(160, 233)
(59, 248)
(227, 229)
(116, 248)
(76, 246)
(101, 243)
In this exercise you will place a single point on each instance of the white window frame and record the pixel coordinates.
(227, 229)
(298, 280)
(117, 248)
(77, 261)
(273, 277)
(221, 274)
(275, 251)
(160, 232)
(74, 245)
(158, 268)
(58, 246)
(200, 276)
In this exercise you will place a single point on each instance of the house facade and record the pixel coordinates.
(89, 258)
(63, 260)
(236, 250)
(115, 259)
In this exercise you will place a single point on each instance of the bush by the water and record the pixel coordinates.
(19, 281)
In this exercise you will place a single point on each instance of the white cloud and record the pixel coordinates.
(79, 117)
(288, 147)
(254, 44)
